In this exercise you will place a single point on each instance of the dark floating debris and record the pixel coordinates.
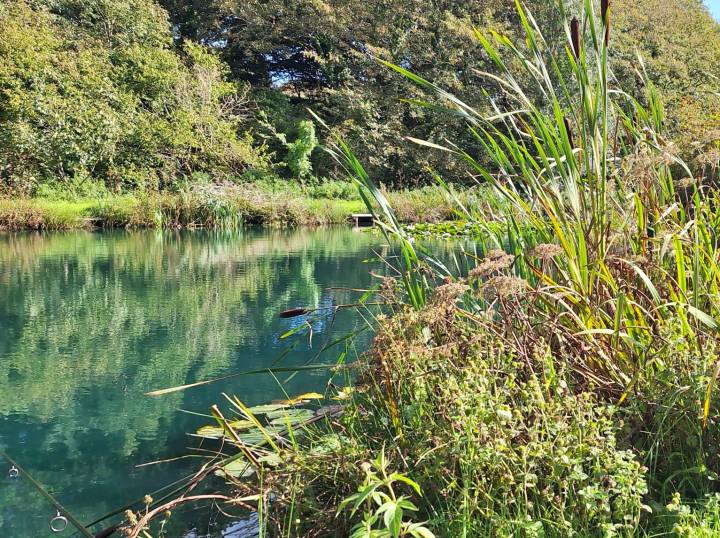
(293, 312)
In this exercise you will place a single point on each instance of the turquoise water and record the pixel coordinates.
(89, 322)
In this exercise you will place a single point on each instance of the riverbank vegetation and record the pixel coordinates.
(155, 107)
(226, 206)
(557, 380)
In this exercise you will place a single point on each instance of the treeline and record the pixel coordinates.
(130, 94)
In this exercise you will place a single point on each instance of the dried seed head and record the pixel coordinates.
(366, 467)
(575, 36)
(605, 10)
(388, 288)
(488, 266)
(546, 251)
(711, 136)
(495, 254)
(448, 293)
(685, 182)
(503, 286)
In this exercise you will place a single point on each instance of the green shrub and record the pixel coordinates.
(83, 98)
(501, 444)
(333, 190)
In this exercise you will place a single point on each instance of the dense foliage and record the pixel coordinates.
(320, 54)
(96, 91)
(127, 94)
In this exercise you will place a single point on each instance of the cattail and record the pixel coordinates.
(569, 132)
(293, 313)
(604, 9)
(575, 36)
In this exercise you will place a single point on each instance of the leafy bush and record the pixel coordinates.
(333, 190)
(501, 445)
(81, 98)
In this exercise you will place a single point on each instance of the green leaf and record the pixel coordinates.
(402, 478)
(239, 468)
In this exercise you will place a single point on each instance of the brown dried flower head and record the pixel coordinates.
(546, 251)
(685, 182)
(448, 293)
(503, 287)
(495, 254)
(491, 265)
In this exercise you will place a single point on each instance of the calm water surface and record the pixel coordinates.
(89, 322)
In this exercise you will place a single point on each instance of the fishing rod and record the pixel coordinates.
(62, 516)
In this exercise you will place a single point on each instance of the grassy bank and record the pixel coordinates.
(220, 206)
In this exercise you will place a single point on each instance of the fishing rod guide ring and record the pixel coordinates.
(14, 472)
(59, 523)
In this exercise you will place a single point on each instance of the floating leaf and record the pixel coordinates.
(290, 417)
(302, 398)
(330, 410)
(256, 437)
(271, 459)
(328, 444)
(344, 393)
(216, 432)
(239, 468)
(265, 409)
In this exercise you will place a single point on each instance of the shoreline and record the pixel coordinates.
(234, 209)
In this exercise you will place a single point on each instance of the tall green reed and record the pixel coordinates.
(582, 164)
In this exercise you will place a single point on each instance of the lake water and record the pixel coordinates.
(90, 321)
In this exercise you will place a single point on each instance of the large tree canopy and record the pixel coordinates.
(139, 95)
(318, 54)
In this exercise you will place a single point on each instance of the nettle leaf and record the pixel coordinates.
(419, 530)
(406, 504)
(363, 495)
(402, 478)
(392, 517)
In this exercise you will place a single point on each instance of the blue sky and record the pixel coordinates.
(714, 6)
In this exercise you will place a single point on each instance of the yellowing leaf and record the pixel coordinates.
(300, 399)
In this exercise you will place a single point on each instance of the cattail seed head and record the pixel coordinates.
(605, 11)
(568, 130)
(293, 313)
(575, 36)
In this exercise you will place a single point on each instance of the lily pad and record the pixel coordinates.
(239, 468)
(216, 432)
(265, 409)
(271, 460)
(290, 416)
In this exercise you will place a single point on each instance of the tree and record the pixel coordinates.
(320, 54)
(94, 90)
